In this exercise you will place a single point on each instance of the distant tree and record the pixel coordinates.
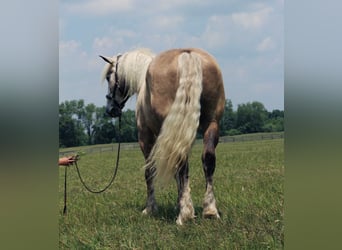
(71, 128)
(103, 128)
(68, 108)
(70, 132)
(81, 124)
(275, 121)
(276, 113)
(86, 114)
(228, 120)
(251, 117)
(129, 131)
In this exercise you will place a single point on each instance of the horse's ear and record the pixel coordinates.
(107, 59)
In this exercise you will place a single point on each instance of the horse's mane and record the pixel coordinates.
(105, 70)
(132, 67)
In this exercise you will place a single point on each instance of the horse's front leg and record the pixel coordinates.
(151, 205)
(210, 141)
(186, 209)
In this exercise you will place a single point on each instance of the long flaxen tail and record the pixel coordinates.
(179, 128)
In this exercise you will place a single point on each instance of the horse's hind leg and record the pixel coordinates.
(210, 141)
(186, 209)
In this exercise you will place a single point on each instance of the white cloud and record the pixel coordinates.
(174, 4)
(223, 30)
(115, 41)
(167, 22)
(266, 44)
(216, 32)
(68, 47)
(124, 33)
(99, 7)
(103, 43)
(73, 58)
(252, 20)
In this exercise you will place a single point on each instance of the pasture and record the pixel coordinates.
(248, 185)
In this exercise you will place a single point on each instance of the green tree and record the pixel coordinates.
(228, 120)
(275, 121)
(129, 131)
(276, 113)
(81, 124)
(70, 130)
(251, 117)
(103, 128)
(86, 114)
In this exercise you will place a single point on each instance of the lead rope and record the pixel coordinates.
(65, 192)
(82, 181)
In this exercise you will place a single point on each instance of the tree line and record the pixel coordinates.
(81, 124)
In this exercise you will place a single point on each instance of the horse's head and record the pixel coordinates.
(117, 90)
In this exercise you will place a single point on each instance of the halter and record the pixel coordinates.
(111, 96)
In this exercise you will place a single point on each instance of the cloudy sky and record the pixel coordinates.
(246, 38)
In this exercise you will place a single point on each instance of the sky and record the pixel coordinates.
(246, 38)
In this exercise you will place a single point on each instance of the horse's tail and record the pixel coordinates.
(180, 126)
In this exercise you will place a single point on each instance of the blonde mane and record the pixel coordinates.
(132, 67)
(105, 70)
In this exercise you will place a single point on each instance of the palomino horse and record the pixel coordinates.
(178, 91)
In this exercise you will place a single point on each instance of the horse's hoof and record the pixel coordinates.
(211, 214)
(149, 210)
(179, 222)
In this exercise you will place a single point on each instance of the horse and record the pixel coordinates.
(179, 92)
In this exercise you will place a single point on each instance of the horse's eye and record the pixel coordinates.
(109, 97)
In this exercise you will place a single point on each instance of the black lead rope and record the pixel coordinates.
(82, 181)
(65, 192)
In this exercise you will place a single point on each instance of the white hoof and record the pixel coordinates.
(179, 221)
(150, 210)
(211, 213)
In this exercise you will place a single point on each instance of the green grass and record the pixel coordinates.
(249, 189)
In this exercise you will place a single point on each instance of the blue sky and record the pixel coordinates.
(246, 38)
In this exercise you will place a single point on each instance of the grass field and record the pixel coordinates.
(249, 189)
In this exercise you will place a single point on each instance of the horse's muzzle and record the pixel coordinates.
(113, 112)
